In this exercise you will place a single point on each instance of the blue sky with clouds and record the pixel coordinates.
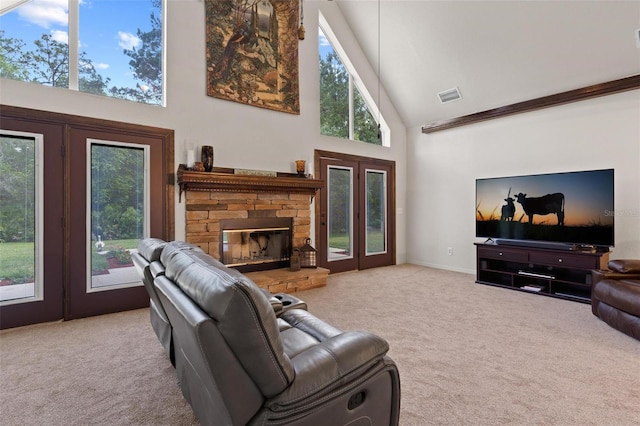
(324, 46)
(106, 28)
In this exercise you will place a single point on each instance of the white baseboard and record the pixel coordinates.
(445, 267)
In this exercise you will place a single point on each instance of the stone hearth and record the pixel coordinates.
(285, 281)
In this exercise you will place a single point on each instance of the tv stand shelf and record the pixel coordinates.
(550, 272)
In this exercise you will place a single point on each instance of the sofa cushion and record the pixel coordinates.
(175, 246)
(151, 248)
(303, 331)
(620, 320)
(242, 314)
(625, 266)
(620, 294)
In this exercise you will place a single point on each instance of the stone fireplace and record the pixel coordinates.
(254, 207)
(256, 244)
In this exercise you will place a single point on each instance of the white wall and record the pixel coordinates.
(443, 166)
(242, 136)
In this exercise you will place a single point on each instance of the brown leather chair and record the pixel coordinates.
(615, 296)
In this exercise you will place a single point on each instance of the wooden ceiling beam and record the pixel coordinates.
(594, 91)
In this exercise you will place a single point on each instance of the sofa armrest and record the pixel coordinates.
(276, 303)
(156, 268)
(598, 275)
(625, 266)
(282, 302)
(329, 365)
(290, 302)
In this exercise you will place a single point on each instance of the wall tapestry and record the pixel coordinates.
(252, 52)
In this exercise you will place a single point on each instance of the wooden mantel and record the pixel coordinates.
(228, 182)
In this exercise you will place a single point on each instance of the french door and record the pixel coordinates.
(109, 197)
(31, 228)
(355, 224)
(80, 194)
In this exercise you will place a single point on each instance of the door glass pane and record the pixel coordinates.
(118, 212)
(376, 207)
(20, 215)
(340, 208)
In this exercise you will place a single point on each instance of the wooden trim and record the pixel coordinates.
(226, 182)
(79, 122)
(59, 286)
(51, 308)
(348, 157)
(589, 92)
(319, 156)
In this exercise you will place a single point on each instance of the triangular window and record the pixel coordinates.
(347, 110)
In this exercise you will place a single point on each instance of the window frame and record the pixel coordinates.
(38, 290)
(73, 50)
(385, 201)
(355, 80)
(146, 149)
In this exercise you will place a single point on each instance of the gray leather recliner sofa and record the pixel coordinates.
(148, 254)
(240, 361)
(147, 262)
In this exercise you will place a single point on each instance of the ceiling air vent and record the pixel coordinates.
(449, 95)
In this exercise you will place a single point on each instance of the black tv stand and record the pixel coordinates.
(535, 244)
(553, 272)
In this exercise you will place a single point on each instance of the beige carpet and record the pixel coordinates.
(468, 354)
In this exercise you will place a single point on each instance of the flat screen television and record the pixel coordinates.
(558, 210)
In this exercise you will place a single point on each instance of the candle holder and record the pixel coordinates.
(207, 158)
(308, 258)
(300, 167)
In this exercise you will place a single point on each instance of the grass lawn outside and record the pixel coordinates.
(118, 249)
(375, 242)
(17, 260)
(17, 263)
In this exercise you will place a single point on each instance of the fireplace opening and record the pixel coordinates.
(256, 244)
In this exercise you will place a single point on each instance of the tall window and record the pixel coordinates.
(104, 47)
(117, 211)
(347, 110)
(20, 217)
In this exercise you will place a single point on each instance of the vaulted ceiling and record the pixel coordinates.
(496, 53)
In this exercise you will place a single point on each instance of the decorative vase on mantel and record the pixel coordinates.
(207, 158)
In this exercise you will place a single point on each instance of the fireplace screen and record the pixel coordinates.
(256, 244)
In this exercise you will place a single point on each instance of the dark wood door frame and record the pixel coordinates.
(30, 120)
(78, 302)
(51, 308)
(319, 155)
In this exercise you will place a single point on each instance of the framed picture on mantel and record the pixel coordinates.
(252, 52)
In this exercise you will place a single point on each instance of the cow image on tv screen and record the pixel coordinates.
(509, 209)
(569, 207)
(548, 204)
